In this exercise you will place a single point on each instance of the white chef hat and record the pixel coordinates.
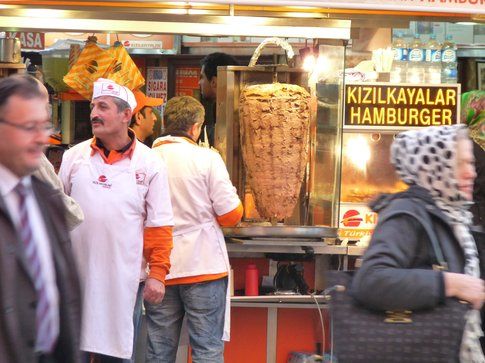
(106, 87)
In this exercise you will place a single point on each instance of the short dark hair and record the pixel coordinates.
(181, 113)
(133, 117)
(214, 60)
(22, 85)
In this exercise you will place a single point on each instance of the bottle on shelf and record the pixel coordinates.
(415, 71)
(449, 73)
(399, 64)
(252, 281)
(433, 61)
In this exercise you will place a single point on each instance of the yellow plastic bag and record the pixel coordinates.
(93, 63)
(123, 70)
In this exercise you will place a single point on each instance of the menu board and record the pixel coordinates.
(187, 81)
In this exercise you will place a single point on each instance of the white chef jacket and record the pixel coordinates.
(118, 201)
(200, 191)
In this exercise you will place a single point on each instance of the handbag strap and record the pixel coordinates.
(425, 220)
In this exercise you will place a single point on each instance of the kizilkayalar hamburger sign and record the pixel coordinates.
(387, 106)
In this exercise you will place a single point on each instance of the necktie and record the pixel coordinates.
(46, 336)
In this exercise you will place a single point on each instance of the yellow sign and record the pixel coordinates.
(382, 105)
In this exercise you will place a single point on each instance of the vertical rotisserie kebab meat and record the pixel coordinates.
(274, 124)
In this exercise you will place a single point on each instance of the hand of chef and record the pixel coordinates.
(154, 291)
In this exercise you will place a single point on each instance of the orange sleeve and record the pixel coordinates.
(232, 218)
(157, 245)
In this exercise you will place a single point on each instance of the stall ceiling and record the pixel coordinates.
(164, 21)
(202, 18)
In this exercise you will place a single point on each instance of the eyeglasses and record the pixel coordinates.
(32, 128)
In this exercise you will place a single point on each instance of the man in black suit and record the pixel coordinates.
(39, 289)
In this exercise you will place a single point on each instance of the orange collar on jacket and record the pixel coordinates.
(113, 156)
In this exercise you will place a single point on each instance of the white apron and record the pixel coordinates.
(212, 255)
(108, 248)
(199, 247)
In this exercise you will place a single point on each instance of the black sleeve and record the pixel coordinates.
(478, 208)
(388, 278)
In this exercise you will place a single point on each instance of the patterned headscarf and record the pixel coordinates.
(473, 114)
(427, 158)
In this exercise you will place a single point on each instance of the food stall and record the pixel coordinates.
(347, 151)
(374, 113)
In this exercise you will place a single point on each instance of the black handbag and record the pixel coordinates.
(363, 335)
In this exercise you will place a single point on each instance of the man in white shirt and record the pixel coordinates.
(39, 290)
(203, 200)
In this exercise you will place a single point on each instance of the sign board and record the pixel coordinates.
(386, 106)
(156, 84)
(187, 81)
(356, 220)
(29, 40)
(143, 44)
(440, 6)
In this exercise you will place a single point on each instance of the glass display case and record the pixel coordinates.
(366, 167)
(315, 214)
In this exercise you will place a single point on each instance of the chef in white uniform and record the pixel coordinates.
(203, 199)
(123, 190)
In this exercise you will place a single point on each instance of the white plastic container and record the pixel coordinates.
(415, 71)
(433, 61)
(449, 73)
(399, 64)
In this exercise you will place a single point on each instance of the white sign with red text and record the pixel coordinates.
(29, 40)
(356, 220)
(143, 44)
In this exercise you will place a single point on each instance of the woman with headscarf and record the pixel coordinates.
(396, 274)
(473, 114)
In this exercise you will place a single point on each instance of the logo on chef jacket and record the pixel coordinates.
(140, 178)
(352, 218)
(102, 181)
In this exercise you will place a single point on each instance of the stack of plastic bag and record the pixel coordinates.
(114, 63)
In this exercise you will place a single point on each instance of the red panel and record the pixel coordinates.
(141, 64)
(309, 274)
(248, 336)
(298, 331)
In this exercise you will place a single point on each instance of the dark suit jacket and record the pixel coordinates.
(17, 293)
